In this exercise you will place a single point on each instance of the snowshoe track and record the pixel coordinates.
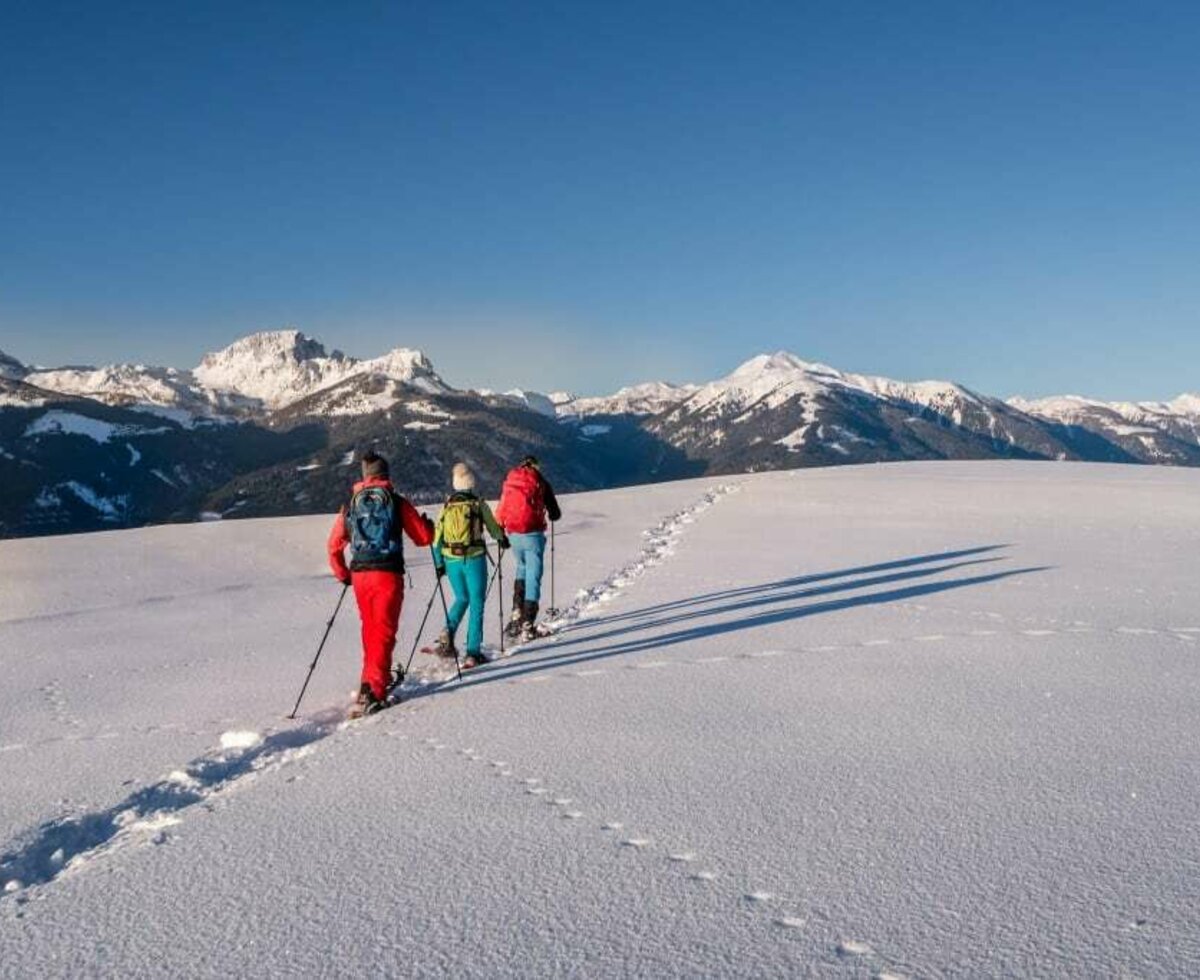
(66, 844)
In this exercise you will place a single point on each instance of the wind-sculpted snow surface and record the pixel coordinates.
(903, 721)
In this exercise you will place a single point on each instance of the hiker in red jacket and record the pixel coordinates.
(371, 526)
(526, 500)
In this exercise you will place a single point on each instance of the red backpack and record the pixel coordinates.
(522, 503)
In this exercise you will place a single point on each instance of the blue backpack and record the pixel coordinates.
(371, 523)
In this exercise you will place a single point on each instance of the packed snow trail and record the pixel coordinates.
(880, 721)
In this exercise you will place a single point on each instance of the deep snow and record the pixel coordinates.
(919, 719)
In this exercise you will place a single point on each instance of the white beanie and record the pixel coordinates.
(463, 478)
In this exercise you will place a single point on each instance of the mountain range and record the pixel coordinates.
(274, 423)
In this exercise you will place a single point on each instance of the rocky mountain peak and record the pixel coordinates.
(406, 365)
(11, 368)
(275, 366)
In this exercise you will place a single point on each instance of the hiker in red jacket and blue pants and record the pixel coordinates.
(526, 500)
(371, 525)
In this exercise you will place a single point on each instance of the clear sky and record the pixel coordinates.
(584, 195)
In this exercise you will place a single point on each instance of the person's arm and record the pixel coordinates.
(492, 525)
(439, 563)
(335, 547)
(553, 511)
(419, 529)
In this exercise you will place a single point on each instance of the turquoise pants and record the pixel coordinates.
(528, 550)
(468, 578)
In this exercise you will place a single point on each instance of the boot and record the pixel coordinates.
(513, 629)
(366, 703)
(529, 614)
(444, 647)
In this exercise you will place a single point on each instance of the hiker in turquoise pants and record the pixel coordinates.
(460, 554)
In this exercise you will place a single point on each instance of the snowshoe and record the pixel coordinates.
(529, 614)
(444, 647)
(472, 660)
(513, 627)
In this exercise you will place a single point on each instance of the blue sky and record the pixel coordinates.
(585, 195)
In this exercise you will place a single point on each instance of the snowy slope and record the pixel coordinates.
(17, 394)
(163, 391)
(923, 719)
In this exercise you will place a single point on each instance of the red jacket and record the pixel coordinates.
(419, 531)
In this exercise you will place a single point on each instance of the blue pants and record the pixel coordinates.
(528, 550)
(468, 578)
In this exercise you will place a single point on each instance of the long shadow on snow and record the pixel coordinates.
(503, 672)
(770, 598)
(49, 849)
(787, 583)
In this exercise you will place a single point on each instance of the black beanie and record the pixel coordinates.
(374, 465)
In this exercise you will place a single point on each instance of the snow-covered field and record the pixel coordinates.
(918, 719)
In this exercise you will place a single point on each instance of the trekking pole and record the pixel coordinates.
(553, 610)
(491, 581)
(495, 563)
(500, 597)
(413, 652)
(328, 627)
(446, 613)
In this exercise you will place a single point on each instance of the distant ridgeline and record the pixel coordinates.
(274, 425)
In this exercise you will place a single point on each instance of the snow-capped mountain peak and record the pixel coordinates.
(764, 382)
(405, 365)
(1185, 404)
(276, 367)
(279, 367)
(649, 398)
(780, 363)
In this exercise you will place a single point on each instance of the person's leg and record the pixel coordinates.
(517, 546)
(456, 573)
(535, 548)
(380, 602)
(475, 575)
(361, 584)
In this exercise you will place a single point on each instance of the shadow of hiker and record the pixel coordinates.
(798, 580)
(768, 597)
(505, 670)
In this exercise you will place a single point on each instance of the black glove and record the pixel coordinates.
(504, 543)
(441, 571)
(428, 523)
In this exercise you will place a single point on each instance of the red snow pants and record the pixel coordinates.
(380, 596)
